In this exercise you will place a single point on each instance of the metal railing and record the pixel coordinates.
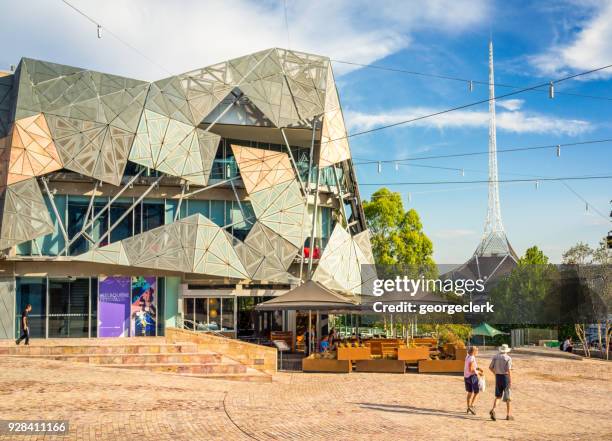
(191, 325)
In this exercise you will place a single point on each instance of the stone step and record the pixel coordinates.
(112, 359)
(248, 377)
(130, 348)
(184, 368)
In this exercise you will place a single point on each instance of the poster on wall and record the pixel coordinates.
(114, 306)
(144, 307)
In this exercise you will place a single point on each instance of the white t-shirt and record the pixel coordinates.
(466, 368)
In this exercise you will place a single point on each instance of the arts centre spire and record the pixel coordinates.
(494, 241)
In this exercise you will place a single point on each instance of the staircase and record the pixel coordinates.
(139, 353)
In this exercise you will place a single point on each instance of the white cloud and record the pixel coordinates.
(193, 33)
(516, 122)
(590, 48)
(510, 104)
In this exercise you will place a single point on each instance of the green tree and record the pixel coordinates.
(579, 254)
(593, 267)
(523, 297)
(533, 256)
(397, 235)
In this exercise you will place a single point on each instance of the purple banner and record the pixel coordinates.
(114, 306)
(144, 307)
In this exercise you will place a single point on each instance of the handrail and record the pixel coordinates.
(191, 325)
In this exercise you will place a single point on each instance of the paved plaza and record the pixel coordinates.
(554, 399)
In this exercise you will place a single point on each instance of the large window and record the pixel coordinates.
(217, 212)
(195, 206)
(68, 311)
(100, 226)
(227, 314)
(77, 210)
(125, 228)
(149, 215)
(257, 324)
(210, 313)
(33, 291)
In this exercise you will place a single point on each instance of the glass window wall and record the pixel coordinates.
(210, 313)
(67, 307)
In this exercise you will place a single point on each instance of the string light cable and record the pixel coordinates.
(100, 27)
(565, 178)
(482, 152)
(470, 83)
(472, 104)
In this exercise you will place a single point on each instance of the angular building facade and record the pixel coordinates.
(127, 206)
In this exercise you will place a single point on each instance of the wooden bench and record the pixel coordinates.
(381, 365)
(362, 353)
(413, 354)
(425, 341)
(326, 365)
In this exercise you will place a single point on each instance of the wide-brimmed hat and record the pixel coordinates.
(504, 348)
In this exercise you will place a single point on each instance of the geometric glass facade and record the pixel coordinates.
(235, 178)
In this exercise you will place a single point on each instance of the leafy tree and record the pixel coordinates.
(397, 235)
(533, 256)
(593, 265)
(601, 254)
(579, 254)
(524, 297)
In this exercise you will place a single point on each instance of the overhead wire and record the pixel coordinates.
(116, 36)
(465, 106)
(483, 152)
(375, 129)
(463, 80)
(524, 89)
(568, 178)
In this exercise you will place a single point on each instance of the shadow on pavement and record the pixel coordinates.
(416, 410)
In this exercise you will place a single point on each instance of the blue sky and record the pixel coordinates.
(534, 42)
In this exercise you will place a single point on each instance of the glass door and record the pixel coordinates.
(68, 311)
(33, 291)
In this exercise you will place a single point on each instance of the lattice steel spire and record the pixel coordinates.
(494, 240)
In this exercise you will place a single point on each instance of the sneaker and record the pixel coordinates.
(492, 413)
(17, 342)
(471, 410)
(510, 418)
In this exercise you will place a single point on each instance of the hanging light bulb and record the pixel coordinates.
(587, 207)
(471, 86)
(558, 151)
(551, 90)
(409, 197)
(396, 166)
(379, 167)
(99, 31)
(537, 183)
(462, 172)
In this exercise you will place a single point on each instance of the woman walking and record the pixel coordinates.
(470, 377)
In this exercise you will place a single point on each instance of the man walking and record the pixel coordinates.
(25, 328)
(501, 366)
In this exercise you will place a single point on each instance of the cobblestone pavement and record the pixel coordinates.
(553, 398)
